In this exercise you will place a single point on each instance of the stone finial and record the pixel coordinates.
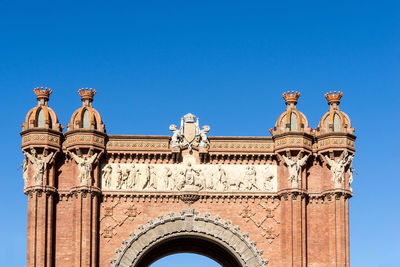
(42, 94)
(87, 94)
(333, 98)
(291, 97)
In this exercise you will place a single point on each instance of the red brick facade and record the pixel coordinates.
(304, 221)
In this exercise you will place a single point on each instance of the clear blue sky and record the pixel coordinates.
(227, 62)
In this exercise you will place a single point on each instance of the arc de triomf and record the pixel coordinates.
(127, 200)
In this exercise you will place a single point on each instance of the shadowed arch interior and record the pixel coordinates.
(189, 244)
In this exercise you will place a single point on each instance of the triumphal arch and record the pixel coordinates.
(96, 199)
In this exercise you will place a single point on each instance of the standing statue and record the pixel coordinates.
(39, 165)
(176, 135)
(84, 166)
(294, 166)
(25, 171)
(106, 176)
(250, 178)
(351, 169)
(203, 136)
(338, 167)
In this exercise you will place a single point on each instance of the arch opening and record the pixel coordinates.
(189, 244)
(85, 120)
(40, 118)
(189, 231)
(184, 260)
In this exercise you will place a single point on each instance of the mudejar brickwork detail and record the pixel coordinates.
(126, 200)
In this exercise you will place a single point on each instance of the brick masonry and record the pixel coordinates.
(75, 224)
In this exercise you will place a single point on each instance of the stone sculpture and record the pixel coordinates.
(189, 134)
(106, 176)
(203, 137)
(338, 167)
(85, 167)
(268, 178)
(39, 165)
(294, 165)
(250, 178)
(176, 135)
(25, 170)
(189, 176)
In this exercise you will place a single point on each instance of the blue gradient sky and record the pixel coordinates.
(227, 62)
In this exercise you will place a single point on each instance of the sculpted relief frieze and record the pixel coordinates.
(189, 176)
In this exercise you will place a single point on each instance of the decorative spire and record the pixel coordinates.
(42, 94)
(87, 95)
(333, 98)
(291, 97)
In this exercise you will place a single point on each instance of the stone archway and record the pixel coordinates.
(189, 232)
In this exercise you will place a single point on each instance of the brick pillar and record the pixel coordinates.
(40, 244)
(339, 229)
(86, 230)
(293, 241)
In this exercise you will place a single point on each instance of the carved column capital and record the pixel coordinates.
(84, 190)
(39, 189)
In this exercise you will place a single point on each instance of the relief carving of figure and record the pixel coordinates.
(118, 172)
(106, 175)
(150, 176)
(209, 183)
(181, 180)
(173, 179)
(338, 167)
(268, 178)
(222, 179)
(190, 174)
(164, 178)
(131, 183)
(203, 136)
(250, 178)
(294, 166)
(39, 165)
(125, 176)
(84, 167)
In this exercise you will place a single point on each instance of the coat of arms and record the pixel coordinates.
(189, 134)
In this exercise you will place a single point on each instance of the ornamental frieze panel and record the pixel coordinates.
(114, 215)
(265, 217)
(189, 176)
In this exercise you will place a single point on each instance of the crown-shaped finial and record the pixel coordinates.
(291, 97)
(87, 94)
(42, 93)
(333, 97)
(189, 117)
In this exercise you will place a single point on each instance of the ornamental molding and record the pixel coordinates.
(188, 222)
